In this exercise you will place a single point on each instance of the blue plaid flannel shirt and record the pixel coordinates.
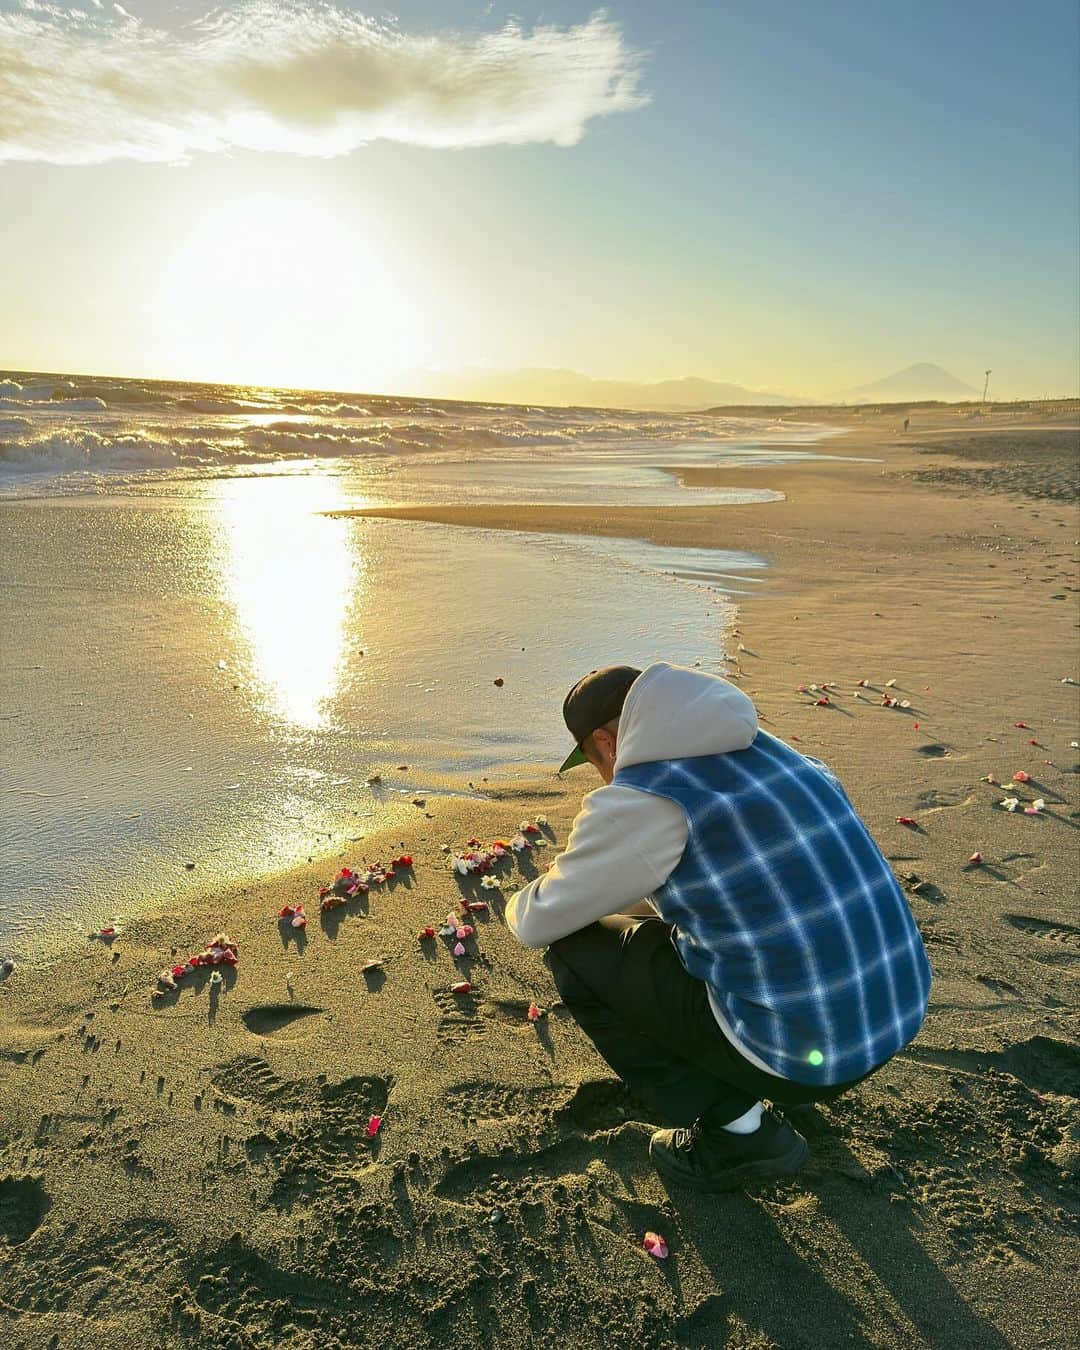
(785, 907)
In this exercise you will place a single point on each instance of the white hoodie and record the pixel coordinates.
(624, 843)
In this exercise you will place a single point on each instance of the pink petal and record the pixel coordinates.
(459, 949)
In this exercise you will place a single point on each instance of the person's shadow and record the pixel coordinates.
(827, 1259)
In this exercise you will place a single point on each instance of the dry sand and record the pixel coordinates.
(197, 1172)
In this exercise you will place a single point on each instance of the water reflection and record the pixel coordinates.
(291, 576)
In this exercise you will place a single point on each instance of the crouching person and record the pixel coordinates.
(774, 958)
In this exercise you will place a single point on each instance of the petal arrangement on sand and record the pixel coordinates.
(221, 951)
(476, 859)
(352, 881)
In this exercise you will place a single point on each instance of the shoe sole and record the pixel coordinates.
(783, 1165)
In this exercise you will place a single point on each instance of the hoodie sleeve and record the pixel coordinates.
(622, 845)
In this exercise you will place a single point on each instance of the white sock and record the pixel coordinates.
(748, 1122)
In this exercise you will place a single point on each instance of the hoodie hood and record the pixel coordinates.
(673, 712)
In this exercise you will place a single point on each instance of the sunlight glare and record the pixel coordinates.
(273, 290)
(292, 578)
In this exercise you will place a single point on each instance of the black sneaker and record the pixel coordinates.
(717, 1160)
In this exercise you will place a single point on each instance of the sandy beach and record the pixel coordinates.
(197, 1170)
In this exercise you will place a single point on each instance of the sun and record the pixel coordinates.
(268, 289)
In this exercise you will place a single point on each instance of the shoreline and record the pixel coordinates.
(936, 1208)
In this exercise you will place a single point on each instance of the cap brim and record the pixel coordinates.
(575, 757)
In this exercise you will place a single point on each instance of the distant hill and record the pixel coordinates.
(919, 382)
(569, 388)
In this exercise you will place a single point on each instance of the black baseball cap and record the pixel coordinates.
(596, 698)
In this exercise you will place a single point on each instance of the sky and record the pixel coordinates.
(794, 197)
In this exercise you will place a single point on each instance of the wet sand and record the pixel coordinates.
(197, 1171)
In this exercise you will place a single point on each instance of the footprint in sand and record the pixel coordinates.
(23, 1202)
(1041, 1063)
(459, 1019)
(943, 799)
(935, 752)
(1062, 933)
(598, 1107)
(481, 1101)
(271, 1019)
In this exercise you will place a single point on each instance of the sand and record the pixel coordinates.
(197, 1171)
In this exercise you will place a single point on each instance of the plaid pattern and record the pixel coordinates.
(785, 907)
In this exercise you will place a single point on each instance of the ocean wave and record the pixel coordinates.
(54, 427)
(70, 405)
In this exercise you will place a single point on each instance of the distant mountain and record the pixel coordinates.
(569, 388)
(921, 381)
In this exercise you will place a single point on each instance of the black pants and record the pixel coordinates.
(623, 982)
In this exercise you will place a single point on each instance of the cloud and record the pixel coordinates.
(300, 77)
